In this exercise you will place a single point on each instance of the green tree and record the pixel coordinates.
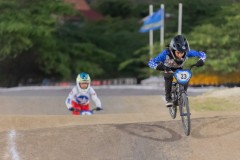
(26, 24)
(220, 40)
(28, 28)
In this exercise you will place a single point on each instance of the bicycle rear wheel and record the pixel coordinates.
(185, 113)
(173, 111)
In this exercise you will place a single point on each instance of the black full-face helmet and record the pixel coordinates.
(179, 43)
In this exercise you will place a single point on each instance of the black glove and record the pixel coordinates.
(161, 67)
(71, 109)
(199, 63)
(98, 109)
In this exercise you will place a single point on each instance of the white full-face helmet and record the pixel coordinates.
(83, 78)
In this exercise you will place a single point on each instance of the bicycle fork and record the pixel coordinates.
(182, 99)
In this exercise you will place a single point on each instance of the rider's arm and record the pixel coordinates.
(70, 97)
(95, 98)
(160, 58)
(199, 54)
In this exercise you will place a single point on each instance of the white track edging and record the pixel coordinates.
(12, 152)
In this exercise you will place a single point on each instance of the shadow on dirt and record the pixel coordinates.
(151, 131)
(171, 130)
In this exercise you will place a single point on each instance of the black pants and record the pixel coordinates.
(168, 86)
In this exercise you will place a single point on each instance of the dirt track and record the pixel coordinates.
(130, 128)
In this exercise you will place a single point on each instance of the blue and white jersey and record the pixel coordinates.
(164, 58)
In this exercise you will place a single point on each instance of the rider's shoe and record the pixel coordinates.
(169, 103)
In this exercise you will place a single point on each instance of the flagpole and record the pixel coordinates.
(151, 33)
(162, 27)
(180, 18)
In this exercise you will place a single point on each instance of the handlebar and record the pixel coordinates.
(193, 65)
(172, 72)
(94, 109)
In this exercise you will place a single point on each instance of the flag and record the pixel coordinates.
(152, 22)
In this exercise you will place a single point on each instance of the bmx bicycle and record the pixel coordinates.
(180, 97)
(78, 111)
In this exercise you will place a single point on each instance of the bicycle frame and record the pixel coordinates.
(180, 97)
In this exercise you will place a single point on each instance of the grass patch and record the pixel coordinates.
(214, 104)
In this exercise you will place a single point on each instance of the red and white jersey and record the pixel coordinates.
(82, 97)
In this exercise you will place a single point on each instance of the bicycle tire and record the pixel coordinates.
(173, 109)
(185, 113)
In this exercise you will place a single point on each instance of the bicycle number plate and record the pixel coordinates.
(86, 113)
(183, 76)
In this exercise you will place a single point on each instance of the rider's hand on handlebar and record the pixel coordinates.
(199, 63)
(162, 67)
(167, 69)
(71, 109)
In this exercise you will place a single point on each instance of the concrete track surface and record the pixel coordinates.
(134, 125)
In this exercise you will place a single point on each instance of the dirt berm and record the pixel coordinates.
(129, 128)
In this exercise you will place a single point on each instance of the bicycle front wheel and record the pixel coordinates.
(185, 113)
